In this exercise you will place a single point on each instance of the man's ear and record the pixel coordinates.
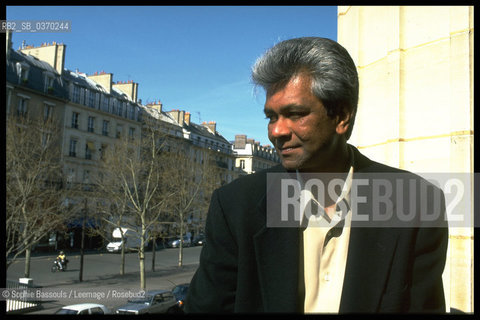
(343, 122)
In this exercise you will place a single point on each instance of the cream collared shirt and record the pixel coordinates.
(325, 248)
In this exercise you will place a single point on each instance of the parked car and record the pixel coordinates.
(84, 308)
(175, 243)
(180, 293)
(155, 301)
(198, 240)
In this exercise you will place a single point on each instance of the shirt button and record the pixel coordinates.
(327, 277)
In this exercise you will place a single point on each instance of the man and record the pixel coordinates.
(62, 260)
(326, 264)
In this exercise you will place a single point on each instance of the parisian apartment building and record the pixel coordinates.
(251, 156)
(94, 111)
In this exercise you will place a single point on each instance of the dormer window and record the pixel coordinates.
(91, 99)
(22, 72)
(49, 79)
(76, 93)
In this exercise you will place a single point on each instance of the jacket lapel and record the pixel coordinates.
(277, 256)
(369, 257)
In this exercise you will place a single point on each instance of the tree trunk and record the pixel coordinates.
(28, 252)
(180, 253)
(142, 265)
(154, 248)
(122, 250)
(82, 251)
(180, 246)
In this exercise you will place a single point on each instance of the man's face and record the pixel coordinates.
(299, 128)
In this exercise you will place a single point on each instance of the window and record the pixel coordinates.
(22, 72)
(71, 175)
(158, 298)
(73, 148)
(89, 148)
(49, 78)
(120, 108)
(96, 310)
(9, 97)
(76, 94)
(83, 96)
(103, 150)
(75, 119)
(91, 124)
(131, 133)
(119, 131)
(22, 106)
(242, 164)
(47, 111)
(86, 176)
(46, 137)
(105, 103)
(131, 112)
(91, 98)
(105, 128)
(114, 105)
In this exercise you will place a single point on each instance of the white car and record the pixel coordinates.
(84, 308)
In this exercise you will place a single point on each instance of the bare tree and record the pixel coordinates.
(132, 179)
(111, 212)
(192, 179)
(35, 185)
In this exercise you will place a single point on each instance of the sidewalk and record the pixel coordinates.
(166, 278)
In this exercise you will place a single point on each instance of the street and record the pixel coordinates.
(97, 265)
(101, 276)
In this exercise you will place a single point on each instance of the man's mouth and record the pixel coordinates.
(285, 150)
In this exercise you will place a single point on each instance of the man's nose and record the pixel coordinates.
(280, 128)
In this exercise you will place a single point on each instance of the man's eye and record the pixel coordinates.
(271, 118)
(297, 115)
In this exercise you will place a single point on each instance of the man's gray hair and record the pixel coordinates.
(333, 72)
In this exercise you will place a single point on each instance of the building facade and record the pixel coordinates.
(94, 113)
(251, 157)
(415, 110)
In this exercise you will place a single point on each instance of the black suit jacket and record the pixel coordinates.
(248, 267)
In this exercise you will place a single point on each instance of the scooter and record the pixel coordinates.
(59, 266)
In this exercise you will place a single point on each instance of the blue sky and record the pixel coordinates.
(196, 59)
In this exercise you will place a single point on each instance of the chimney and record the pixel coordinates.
(130, 88)
(178, 115)
(53, 54)
(104, 79)
(187, 118)
(156, 106)
(240, 141)
(211, 125)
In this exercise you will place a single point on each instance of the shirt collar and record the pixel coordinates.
(344, 195)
